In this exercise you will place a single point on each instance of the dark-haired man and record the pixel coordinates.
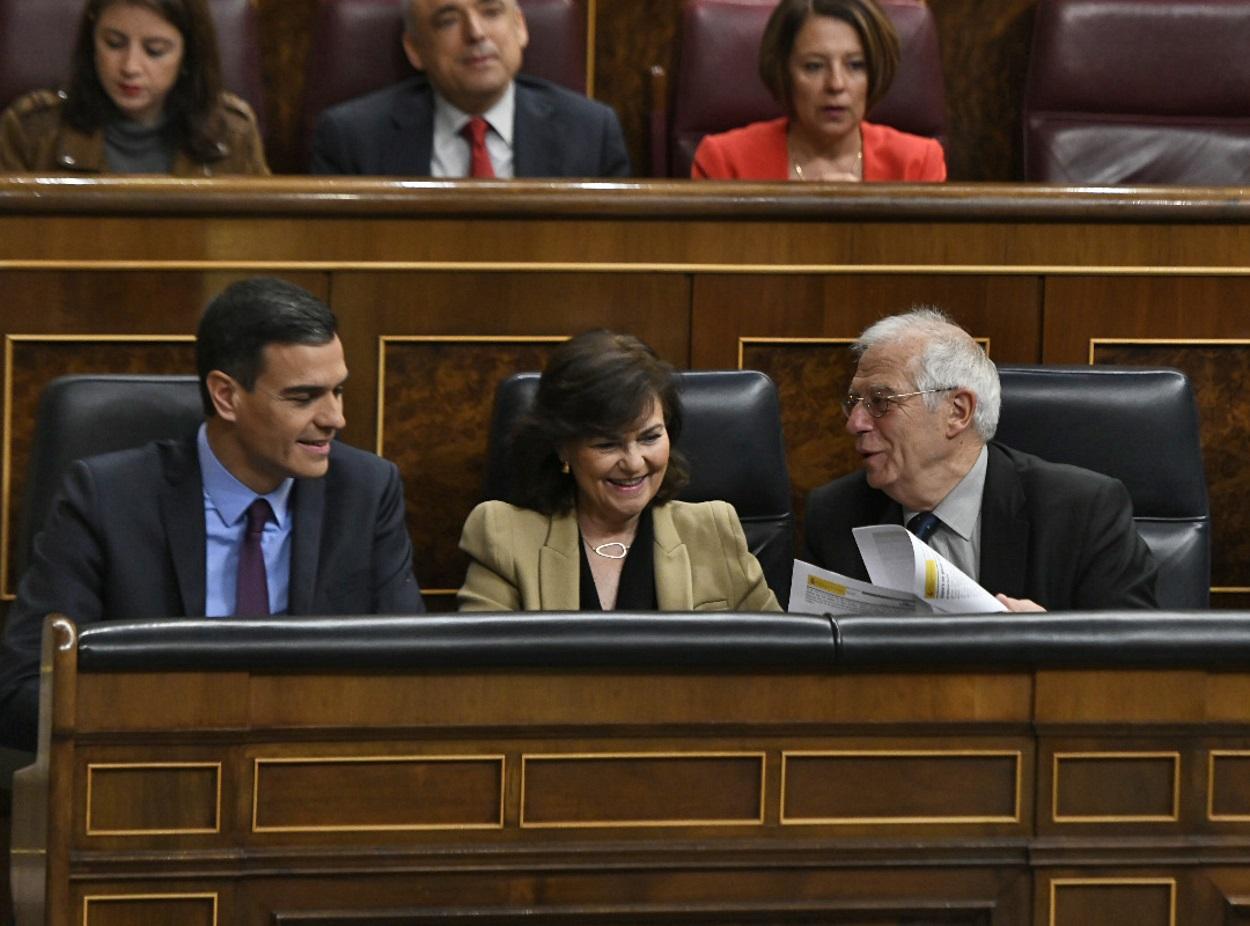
(469, 113)
(260, 512)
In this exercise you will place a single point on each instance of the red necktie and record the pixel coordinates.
(479, 158)
(252, 592)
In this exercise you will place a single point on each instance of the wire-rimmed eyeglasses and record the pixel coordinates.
(879, 399)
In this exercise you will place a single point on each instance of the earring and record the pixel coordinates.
(564, 467)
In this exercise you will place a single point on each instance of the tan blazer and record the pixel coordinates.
(525, 560)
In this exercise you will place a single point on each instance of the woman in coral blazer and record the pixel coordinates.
(826, 62)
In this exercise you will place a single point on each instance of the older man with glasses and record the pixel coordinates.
(922, 408)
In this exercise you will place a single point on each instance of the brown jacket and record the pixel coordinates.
(34, 139)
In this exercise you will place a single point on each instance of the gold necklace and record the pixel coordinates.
(859, 166)
(621, 551)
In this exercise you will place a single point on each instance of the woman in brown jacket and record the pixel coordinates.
(144, 96)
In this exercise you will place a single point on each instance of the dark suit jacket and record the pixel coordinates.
(390, 133)
(1058, 534)
(125, 539)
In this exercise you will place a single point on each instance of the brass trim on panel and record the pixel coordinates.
(591, 32)
(1174, 817)
(744, 341)
(6, 445)
(378, 827)
(105, 898)
(93, 767)
(387, 339)
(1015, 754)
(1148, 342)
(517, 266)
(632, 824)
(1212, 755)
(1169, 883)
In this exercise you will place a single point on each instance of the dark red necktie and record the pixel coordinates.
(252, 594)
(479, 158)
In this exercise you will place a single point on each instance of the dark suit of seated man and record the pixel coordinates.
(259, 512)
(470, 51)
(922, 408)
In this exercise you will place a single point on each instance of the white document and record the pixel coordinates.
(908, 577)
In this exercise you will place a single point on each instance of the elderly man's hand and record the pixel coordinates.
(1019, 604)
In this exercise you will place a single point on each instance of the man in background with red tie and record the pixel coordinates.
(922, 408)
(259, 512)
(469, 114)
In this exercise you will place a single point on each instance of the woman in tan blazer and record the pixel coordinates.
(599, 528)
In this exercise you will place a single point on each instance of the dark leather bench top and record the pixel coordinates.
(668, 641)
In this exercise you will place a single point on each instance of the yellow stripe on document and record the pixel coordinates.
(825, 585)
(930, 578)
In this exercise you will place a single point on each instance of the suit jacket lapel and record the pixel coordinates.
(534, 153)
(308, 500)
(411, 146)
(559, 565)
(674, 584)
(181, 504)
(1004, 528)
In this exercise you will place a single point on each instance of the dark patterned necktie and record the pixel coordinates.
(924, 524)
(479, 158)
(252, 594)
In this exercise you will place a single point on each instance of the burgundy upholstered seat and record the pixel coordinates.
(1139, 91)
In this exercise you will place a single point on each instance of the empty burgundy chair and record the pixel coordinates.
(356, 48)
(718, 87)
(37, 41)
(1139, 91)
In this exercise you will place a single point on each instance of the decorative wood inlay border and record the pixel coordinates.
(90, 899)
(1169, 883)
(484, 266)
(1212, 756)
(94, 767)
(1013, 754)
(1059, 757)
(260, 762)
(745, 342)
(526, 759)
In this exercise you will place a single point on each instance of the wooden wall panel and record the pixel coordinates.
(1198, 325)
(468, 319)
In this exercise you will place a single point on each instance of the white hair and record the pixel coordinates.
(950, 359)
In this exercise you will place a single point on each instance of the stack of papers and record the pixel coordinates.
(908, 577)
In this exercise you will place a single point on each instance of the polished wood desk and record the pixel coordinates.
(444, 288)
(412, 774)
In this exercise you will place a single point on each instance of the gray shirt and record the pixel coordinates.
(958, 537)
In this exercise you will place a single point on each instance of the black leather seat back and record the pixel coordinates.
(1140, 426)
(732, 439)
(81, 416)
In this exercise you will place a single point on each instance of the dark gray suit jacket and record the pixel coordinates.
(1060, 535)
(125, 540)
(390, 133)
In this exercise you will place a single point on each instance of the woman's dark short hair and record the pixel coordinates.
(195, 123)
(246, 317)
(597, 384)
(876, 34)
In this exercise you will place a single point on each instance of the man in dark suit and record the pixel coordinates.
(922, 407)
(469, 114)
(259, 512)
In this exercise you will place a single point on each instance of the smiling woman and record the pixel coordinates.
(144, 96)
(598, 528)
